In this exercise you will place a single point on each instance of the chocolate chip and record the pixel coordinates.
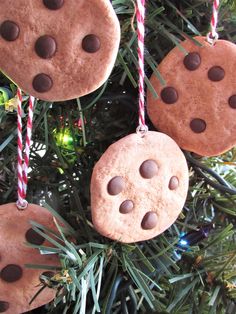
(149, 221)
(42, 83)
(169, 95)
(126, 207)
(232, 101)
(9, 30)
(198, 125)
(174, 183)
(216, 74)
(148, 169)
(4, 306)
(11, 273)
(34, 238)
(53, 4)
(45, 47)
(91, 43)
(116, 185)
(192, 61)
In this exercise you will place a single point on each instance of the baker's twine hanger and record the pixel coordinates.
(142, 129)
(213, 36)
(23, 157)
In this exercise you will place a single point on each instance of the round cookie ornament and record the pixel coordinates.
(197, 105)
(138, 187)
(22, 282)
(140, 183)
(57, 50)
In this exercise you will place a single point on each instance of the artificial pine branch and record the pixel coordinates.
(161, 275)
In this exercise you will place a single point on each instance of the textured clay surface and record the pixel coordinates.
(197, 105)
(138, 187)
(19, 284)
(71, 44)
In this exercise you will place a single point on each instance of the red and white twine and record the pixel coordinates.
(23, 162)
(141, 33)
(213, 35)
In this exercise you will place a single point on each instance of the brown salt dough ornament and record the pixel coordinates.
(18, 284)
(197, 105)
(57, 49)
(138, 187)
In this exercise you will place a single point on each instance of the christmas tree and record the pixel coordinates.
(190, 268)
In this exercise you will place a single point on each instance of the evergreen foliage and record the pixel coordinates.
(188, 269)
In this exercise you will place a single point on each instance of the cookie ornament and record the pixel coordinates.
(58, 49)
(197, 105)
(19, 284)
(140, 183)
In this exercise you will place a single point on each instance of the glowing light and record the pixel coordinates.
(183, 242)
(65, 138)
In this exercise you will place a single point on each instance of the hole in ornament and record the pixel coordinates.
(4, 306)
(42, 83)
(91, 43)
(198, 125)
(169, 95)
(9, 30)
(45, 47)
(11, 273)
(53, 4)
(148, 169)
(126, 207)
(232, 101)
(192, 61)
(116, 185)
(33, 237)
(174, 183)
(216, 74)
(149, 221)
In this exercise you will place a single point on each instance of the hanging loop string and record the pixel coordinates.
(142, 128)
(213, 36)
(23, 162)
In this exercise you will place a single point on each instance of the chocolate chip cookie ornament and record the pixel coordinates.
(138, 187)
(19, 284)
(58, 49)
(197, 106)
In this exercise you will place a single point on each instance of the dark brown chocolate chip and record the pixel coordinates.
(148, 169)
(216, 74)
(53, 4)
(4, 306)
(9, 30)
(42, 83)
(198, 125)
(126, 207)
(149, 221)
(174, 183)
(232, 101)
(91, 43)
(192, 61)
(45, 47)
(116, 185)
(169, 95)
(11, 273)
(34, 238)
